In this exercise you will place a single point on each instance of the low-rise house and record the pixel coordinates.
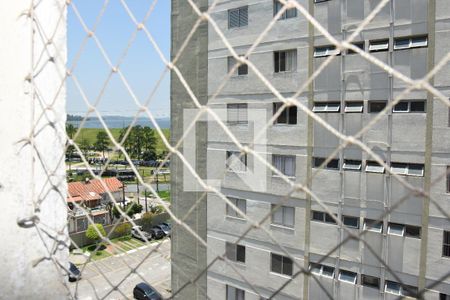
(92, 198)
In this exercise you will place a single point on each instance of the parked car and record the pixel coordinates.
(140, 235)
(145, 291)
(156, 232)
(74, 273)
(165, 228)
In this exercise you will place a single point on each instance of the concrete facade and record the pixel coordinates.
(413, 257)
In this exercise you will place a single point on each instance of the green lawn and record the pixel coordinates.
(90, 134)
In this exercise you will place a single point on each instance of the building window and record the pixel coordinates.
(448, 179)
(322, 270)
(352, 165)
(322, 217)
(370, 281)
(281, 264)
(241, 70)
(410, 106)
(379, 45)
(319, 1)
(404, 230)
(374, 167)
(238, 17)
(237, 113)
(333, 164)
(287, 14)
(373, 225)
(347, 276)
(235, 252)
(410, 42)
(376, 106)
(392, 287)
(234, 293)
(287, 116)
(354, 107)
(350, 221)
(236, 161)
(284, 163)
(360, 45)
(323, 51)
(446, 244)
(285, 61)
(320, 107)
(283, 215)
(239, 203)
(407, 169)
(444, 296)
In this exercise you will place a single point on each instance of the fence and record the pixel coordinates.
(401, 197)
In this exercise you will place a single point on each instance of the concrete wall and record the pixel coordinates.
(32, 184)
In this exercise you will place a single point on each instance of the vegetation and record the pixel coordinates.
(123, 229)
(130, 209)
(147, 220)
(101, 144)
(92, 234)
(157, 209)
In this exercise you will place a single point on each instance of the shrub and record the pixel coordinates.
(157, 209)
(130, 209)
(123, 229)
(92, 234)
(147, 220)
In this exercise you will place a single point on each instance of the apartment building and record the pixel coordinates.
(413, 238)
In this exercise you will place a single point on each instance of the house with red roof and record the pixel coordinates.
(91, 198)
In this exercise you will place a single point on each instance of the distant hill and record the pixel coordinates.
(116, 121)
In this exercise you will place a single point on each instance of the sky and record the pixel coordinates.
(142, 66)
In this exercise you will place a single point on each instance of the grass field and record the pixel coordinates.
(90, 134)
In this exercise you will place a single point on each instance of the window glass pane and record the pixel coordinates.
(327, 271)
(315, 268)
(352, 164)
(412, 231)
(287, 266)
(378, 45)
(333, 164)
(396, 229)
(289, 216)
(373, 225)
(446, 244)
(370, 281)
(351, 221)
(243, 70)
(277, 216)
(399, 168)
(415, 170)
(329, 219)
(282, 61)
(333, 107)
(240, 253)
(375, 107)
(233, 18)
(401, 107)
(402, 43)
(417, 106)
(320, 51)
(409, 291)
(392, 287)
(419, 41)
(276, 59)
(276, 263)
(374, 167)
(360, 45)
(243, 16)
(230, 251)
(240, 294)
(347, 276)
(289, 168)
(292, 115)
(353, 107)
(319, 107)
(318, 216)
(318, 161)
(242, 205)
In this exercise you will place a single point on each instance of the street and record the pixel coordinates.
(99, 277)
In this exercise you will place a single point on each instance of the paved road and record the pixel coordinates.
(155, 270)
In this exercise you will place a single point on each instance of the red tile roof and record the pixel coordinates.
(92, 189)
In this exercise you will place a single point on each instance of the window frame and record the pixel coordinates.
(405, 169)
(350, 108)
(238, 9)
(236, 291)
(292, 54)
(374, 167)
(347, 165)
(328, 107)
(369, 225)
(349, 274)
(284, 260)
(390, 290)
(327, 50)
(409, 104)
(322, 271)
(287, 112)
(446, 243)
(328, 166)
(284, 159)
(379, 45)
(374, 102)
(282, 209)
(233, 255)
(361, 45)
(411, 42)
(230, 212)
(240, 156)
(369, 284)
(238, 107)
(346, 217)
(237, 73)
(277, 5)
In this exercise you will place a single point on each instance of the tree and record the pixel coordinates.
(157, 209)
(92, 234)
(149, 144)
(70, 130)
(123, 229)
(147, 220)
(85, 146)
(101, 144)
(140, 142)
(130, 209)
